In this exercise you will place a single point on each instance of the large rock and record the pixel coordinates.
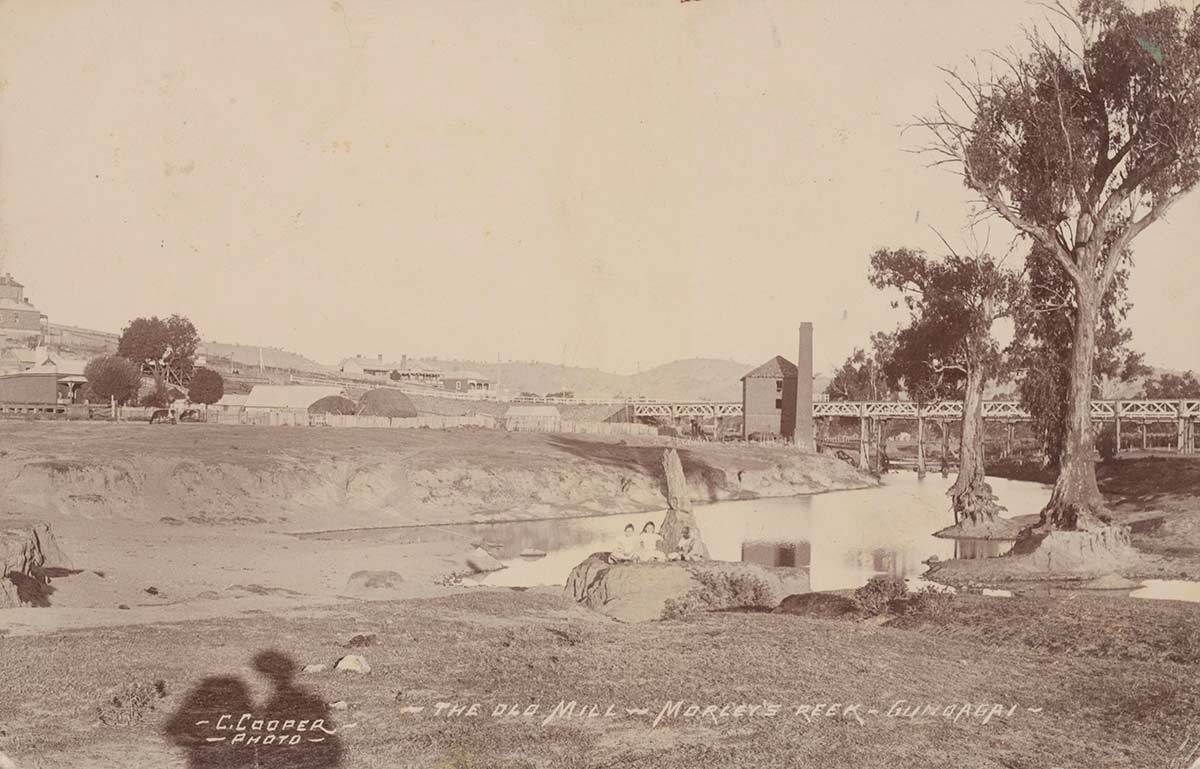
(27, 550)
(679, 507)
(373, 583)
(481, 561)
(640, 592)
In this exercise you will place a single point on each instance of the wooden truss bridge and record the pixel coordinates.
(871, 414)
(1003, 411)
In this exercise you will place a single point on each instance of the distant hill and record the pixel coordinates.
(700, 378)
(691, 379)
(272, 357)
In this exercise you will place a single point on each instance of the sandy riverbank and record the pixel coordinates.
(189, 521)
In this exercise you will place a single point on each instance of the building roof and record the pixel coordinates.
(531, 411)
(371, 363)
(288, 396)
(385, 365)
(61, 365)
(7, 280)
(11, 304)
(775, 368)
(232, 400)
(20, 354)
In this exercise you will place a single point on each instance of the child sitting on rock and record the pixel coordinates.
(687, 548)
(650, 550)
(627, 547)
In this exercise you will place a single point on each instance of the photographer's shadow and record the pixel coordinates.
(221, 728)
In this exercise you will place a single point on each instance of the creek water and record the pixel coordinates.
(843, 538)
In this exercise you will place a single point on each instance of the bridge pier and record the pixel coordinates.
(945, 448)
(1117, 425)
(920, 445)
(1008, 438)
(864, 453)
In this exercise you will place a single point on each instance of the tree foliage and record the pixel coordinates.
(952, 304)
(862, 377)
(1041, 348)
(112, 377)
(165, 349)
(1081, 142)
(206, 387)
(1168, 385)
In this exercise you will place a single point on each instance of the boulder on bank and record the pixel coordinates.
(481, 561)
(373, 583)
(640, 592)
(27, 550)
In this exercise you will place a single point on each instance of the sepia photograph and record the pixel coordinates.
(599, 384)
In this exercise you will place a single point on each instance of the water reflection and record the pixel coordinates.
(1168, 590)
(792, 554)
(843, 538)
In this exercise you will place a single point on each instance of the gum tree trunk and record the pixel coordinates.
(971, 496)
(1075, 502)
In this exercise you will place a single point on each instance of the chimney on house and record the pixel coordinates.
(804, 391)
(380, 357)
(403, 362)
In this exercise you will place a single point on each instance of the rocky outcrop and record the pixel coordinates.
(679, 504)
(584, 575)
(640, 592)
(27, 550)
(373, 583)
(481, 561)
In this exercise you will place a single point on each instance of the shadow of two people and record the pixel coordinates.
(220, 726)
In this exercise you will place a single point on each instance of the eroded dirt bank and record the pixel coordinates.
(326, 478)
(186, 521)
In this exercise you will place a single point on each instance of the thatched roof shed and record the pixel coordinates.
(333, 404)
(385, 402)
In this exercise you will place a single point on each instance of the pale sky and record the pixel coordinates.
(613, 183)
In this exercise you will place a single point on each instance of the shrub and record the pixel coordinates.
(1106, 443)
(880, 591)
(111, 376)
(206, 386)
(930, 602)
(720, 590)
(156, 398)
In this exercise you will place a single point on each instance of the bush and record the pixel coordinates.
(1106, 442)
(880, 591)
(111, 376)
(719, 591)
(929, 602)
(156, 398)
(206, 386)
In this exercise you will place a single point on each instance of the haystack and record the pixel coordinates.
(333, 404)
(386, 403)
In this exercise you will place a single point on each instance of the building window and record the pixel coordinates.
(778, 385)
(779, 403)
(458, 385)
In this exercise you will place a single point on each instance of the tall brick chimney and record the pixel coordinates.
(804, 436)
